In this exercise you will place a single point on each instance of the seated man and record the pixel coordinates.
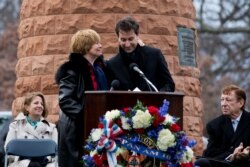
(229, 134)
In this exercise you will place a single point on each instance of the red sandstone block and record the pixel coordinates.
(192, 86)
(192, 106)
(58, 44)
(57, 7)
(188, 106)
(160, 25)
(25, 10)
(16, 105)
(37, 8)
(26, 28)
(115, 6)
(44, 25)
(145, 7)
(186, 9)
(34, 46)
(170, 63)
(52, 104)
(42, 65)
(102, 23)
(179, 83)
(30, 47)
(193, 125)
(68, 24)
(48, 85)
(198, 107)
(111, 44)
(23, 67)
(21, 48)
(27, 84)
(87, 7)
(169, 7)
(53, 118)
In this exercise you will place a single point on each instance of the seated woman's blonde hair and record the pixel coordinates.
(82, 41)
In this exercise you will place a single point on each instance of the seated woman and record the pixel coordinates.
(30, 123)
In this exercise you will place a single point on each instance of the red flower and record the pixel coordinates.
(153, 110)
(190, 164)
(97, 160)
(125, 131)
(119, 122)
(104, 157)
(126, 110)
(157, 117)
(100, 125)
(119, 158)
(157, 120)
(140, 131)
(175, 128)
(100, 160)
(164, 164)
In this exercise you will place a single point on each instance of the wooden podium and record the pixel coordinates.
(98, 102)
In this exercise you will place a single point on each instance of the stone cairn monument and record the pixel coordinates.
(46, 28)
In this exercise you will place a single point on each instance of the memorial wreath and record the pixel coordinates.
(138, 136)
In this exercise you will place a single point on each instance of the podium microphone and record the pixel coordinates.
(114, 84)
(134, 67)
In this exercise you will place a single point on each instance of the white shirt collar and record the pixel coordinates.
(238, 118)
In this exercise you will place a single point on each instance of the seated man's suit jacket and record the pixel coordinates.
(223, 140)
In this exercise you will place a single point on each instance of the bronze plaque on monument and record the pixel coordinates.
(187, 56)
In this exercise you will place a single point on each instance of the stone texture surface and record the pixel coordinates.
(46, 28)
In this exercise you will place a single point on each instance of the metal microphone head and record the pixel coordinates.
(132, 66)
(115, 84)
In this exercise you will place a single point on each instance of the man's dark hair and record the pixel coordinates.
(127, 24)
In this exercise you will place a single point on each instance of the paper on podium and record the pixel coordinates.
(136, 90)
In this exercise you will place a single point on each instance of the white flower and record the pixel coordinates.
(112, 114)
(120, 151)
(96, 134)
(165, 139)
(141, 119)
(92, 153)
(168, 119)
(125, 124)
(187, 155)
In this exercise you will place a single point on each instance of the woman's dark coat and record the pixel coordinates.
(73, 78)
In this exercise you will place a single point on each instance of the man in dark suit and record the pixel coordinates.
(229, 134)
(148, 59)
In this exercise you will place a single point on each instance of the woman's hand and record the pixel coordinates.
(140, 42)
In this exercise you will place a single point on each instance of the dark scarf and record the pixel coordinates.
(100, 77)
(80, 65)
(133, 57)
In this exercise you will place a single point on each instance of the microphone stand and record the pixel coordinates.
(149, 83)
(134, 67)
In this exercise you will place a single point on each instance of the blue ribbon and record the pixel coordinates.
(153, 153)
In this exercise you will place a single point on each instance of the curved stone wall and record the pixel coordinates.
(46, 28)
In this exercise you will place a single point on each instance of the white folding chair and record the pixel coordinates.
(31, 148)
